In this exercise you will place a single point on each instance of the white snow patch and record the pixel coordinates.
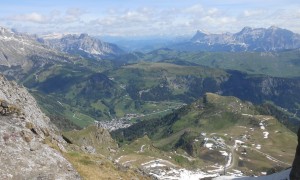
(258, 146)
(276, 176)
(235, 173)
(266, 134)
(247, 115)
(237, 142)
(209, 145)
(262, 126)
(185, 174)
(203, 134)
(118, 160)
(181, 174)
(224, 153)
(229, 160)
(155, 165)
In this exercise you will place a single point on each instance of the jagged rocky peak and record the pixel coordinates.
(246, 29)
(84, 45)
(25, 135)
(14, 35)
(249, 39)
(21, 53)
(250, 30)
(200, 34)
(4, 31)
(274, 27)
(83, 35)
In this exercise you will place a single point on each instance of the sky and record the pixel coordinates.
(147, 17)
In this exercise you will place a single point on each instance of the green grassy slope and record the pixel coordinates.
(277, 64)
(219, 119)
(89, 91)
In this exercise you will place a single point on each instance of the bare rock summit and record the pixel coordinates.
(24, 131)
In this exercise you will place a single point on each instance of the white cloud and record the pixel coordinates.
(250, 13)
(169, 21)
(73, 15)
(54, 17)
(196, 9)
(213, 11)
(31, 17)
(158, 20)
(76, 12)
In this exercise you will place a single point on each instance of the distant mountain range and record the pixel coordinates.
(24, 50)
(83, 45)
(22, 53)
(16, 48)
(78, 80)
(248, 39)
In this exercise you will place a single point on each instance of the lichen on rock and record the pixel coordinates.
(23, 129)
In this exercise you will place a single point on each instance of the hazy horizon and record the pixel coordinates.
(147, 18)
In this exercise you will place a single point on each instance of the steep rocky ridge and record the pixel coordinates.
(24, 130)
(248, 39)
(83, 45)
(32, 147)
(257, 89)
(21, 53)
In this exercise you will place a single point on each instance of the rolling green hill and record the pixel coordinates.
(214, 124)
(84, 94)
(277, 64)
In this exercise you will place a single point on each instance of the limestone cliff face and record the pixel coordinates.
(295, 172)
(23, 133)
(84, 45)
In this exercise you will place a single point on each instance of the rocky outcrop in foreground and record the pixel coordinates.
(24, 133)
(295, 172)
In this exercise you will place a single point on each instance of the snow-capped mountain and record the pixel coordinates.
(248, 39)
(84, 45)
(21, 52)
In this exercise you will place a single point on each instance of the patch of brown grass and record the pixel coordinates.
(95, 167)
